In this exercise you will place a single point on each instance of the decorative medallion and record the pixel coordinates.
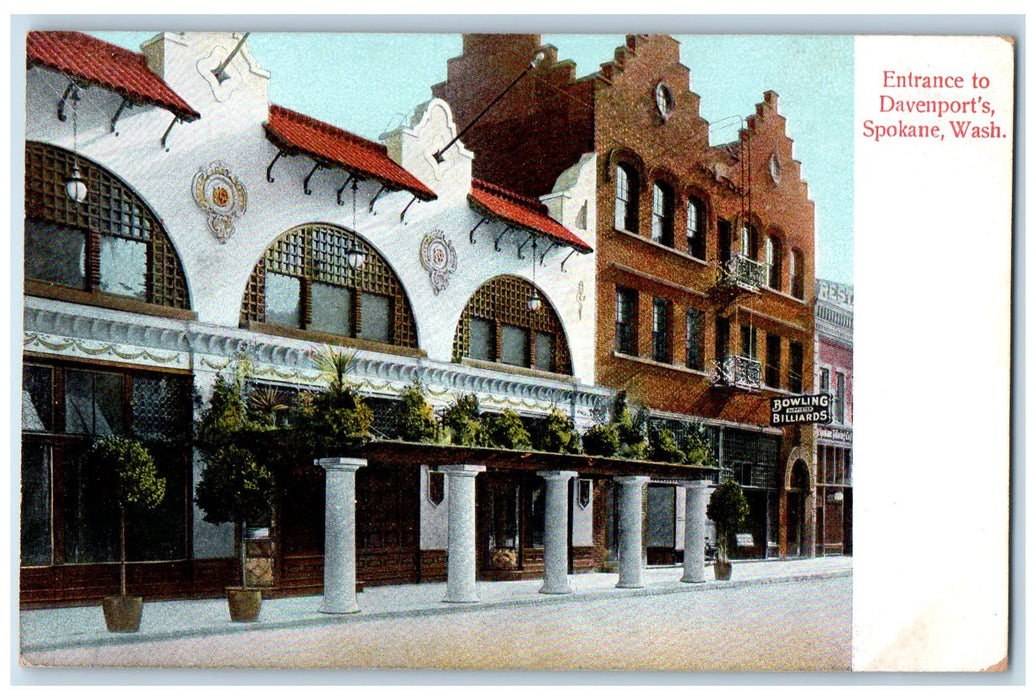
(664, 100)
(439, 258)
(222, 196)
(775, 168)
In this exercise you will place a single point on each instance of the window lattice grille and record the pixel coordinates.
(317, 253)
(505, 301)
(111, 209)
(751, 457)
(160, 407)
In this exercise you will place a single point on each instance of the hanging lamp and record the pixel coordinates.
(75, 186)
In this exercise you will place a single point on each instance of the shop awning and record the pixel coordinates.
(523, 213)
(409, 454)
(297, 134)
(90, 61)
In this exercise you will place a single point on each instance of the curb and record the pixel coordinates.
(442, 608)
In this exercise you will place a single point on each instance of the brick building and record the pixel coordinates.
(704, 255)
(834, 375)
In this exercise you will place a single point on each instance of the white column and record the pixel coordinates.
(631, 533)
(694, 531)
(340, 534)
(555, 535)
(460, 552)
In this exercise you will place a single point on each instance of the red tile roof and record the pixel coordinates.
(522, 212)
(97, 62)
(296, 133)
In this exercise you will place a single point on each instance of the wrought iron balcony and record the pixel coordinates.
(737, 371)
(741, 271)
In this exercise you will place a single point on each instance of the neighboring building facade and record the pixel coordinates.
(834, 375)
(212, 226)
(704, 255)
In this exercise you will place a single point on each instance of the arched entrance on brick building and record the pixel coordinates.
(797, 504)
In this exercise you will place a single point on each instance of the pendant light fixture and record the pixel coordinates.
(75, 186)
(534, 302)
(355, 255)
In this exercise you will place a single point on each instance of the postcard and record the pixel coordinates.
(507, 351)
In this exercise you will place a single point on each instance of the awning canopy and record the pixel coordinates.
(90, 61)
(297, 134)
(408, 454)
(523, 213)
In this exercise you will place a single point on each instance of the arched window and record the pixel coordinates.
(696, 228)
(797, 272)
(749, 244)
(773, 262)
(303, 281)
(111, 244)
(627, 187)
(497, 326)
(662, 214)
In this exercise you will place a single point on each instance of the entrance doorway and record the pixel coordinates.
(796, 499)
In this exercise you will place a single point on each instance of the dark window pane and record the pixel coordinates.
(839, 397)
(482, 343)
(124, 267)
(161, 409)
(660, 331)
(625, 312)
(795, 367)
(545, 352)
(332, 309)
(661, 516)
(662, 215)
(37, 398)
(94, 403)
(159, 534)
(722, 338)
(283, 296)
(91, 522)
(825, 380)
(748, 344)
(35, 511)
(376, 315)
(514, 345)
(695, 338)
(773, 360)
(695, 229)
(54, 253)
(626, 192)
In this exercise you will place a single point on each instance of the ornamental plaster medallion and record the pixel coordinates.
(439, 258)
(222, 196)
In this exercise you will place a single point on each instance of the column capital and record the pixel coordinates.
(557, 475)
(343, 464)
(634, 480)
(696, 484)
(463, 469)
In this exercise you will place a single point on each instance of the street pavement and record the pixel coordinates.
(82, 630)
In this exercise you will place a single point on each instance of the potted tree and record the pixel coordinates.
(728, 509)
(131, 479)
(234, 488)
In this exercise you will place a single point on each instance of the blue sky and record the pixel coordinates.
(367, 82)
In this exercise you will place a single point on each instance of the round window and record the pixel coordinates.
(664, 100)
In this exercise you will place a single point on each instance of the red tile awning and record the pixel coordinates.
(522, 212)
(297, 134)
(91, 61)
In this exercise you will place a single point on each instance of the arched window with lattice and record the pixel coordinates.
(110, 246)
(498, 326)
(304, 281)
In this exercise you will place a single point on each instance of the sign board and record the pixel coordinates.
(807, 408)
(745, 539)
(835, 293)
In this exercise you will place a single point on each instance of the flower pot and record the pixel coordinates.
(122, 612)
(722, 570)
(244, 603)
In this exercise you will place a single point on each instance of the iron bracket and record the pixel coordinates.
(403, 213)
(531, 236)
(269, 168)
(370, 207)
(553, 244)
(573, 251)
(169, 128)
(305, 182)
(118, 113)
(496, 242)
(342, 189)
(471, 233)
(69, 91)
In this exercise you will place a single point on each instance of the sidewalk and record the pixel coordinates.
(63, 628)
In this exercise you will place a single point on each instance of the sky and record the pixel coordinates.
(368, 83)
